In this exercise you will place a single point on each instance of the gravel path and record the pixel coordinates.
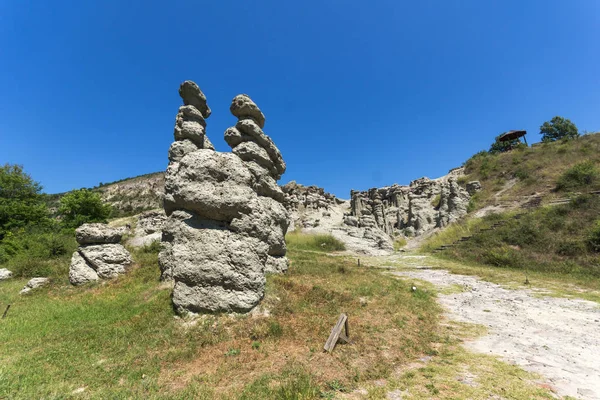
(556, 337)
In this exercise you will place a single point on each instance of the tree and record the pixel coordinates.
(501, 147)
(82, 206)
(558, 128)
(21, 200)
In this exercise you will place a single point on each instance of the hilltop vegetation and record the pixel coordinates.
(559, 238)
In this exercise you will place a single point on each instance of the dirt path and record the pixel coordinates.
(557, 338)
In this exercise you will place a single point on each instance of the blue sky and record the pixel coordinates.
(356, 94)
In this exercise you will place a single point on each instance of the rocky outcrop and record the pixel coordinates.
(34, 283)
(474, 187)
(411, 210)
(5, 274)
(226, 223)
(100, 254)
(304, 197)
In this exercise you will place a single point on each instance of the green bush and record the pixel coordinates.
(578, 176)
(593, 239)
(21, 201)
(82, 206)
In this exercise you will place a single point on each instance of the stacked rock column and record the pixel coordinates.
(100, 254)
(225, 224)
(263, 159)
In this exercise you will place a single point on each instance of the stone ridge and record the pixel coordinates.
(411, 210)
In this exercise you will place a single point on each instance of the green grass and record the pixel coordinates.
(315, 242)
(564, 164)
(121, 338)
(554, 239)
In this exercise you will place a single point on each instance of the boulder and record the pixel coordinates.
(5, 274)
(97, 234)
(243, 107)
(193, 96)
(108, 260)
(80, 272)
(34, 283)
(473, 187)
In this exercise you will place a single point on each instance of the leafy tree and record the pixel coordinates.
(558, 128)
(82, 206)
(501, 147)
(21, 200)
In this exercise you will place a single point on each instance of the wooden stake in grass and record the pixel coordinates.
(359, 262)
(5, 311)
(337, 335)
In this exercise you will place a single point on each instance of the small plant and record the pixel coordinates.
(275, 329)
(399, 243)
(580, 175)
(435, 202)
(255, 345)
(232, 352)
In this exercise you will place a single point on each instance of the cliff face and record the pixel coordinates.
(413, 210)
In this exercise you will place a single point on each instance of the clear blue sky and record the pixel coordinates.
(357, 94)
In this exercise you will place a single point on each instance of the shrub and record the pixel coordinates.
(558, 128)
(82, 206)
(580, 175)
(571, 248)
(435, 202)
(21, 201)
(593, 239)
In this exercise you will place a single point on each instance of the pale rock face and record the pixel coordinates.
(412, 210)
(225, 223)
(80, 272)
(97, 233)
(474, 187)
(243, 107)
(34, 283)
(108, 260)
(5, 274)
(100, 256)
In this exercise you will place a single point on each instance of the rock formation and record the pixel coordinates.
(100, 254)
(34, 283)
(225, 219)
(412, 210)
(5, 274)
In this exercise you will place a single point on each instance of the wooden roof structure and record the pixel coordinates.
(511, 135)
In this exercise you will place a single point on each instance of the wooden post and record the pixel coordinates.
(5, 311)
(359, 262)
(337, 335)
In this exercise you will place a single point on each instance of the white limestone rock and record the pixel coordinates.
(98, 234)
(34, 283)
(5, 274)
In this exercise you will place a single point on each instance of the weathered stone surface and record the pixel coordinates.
(80, 272)
(276, 265)
(34, 283)
(411, 210)
(473, 187)
(108, 260)
(215, 269)
(226, 224)
(250, 129)
(243, 107)
(5, 274)
(193, 96)
(191, 125)
(97, 234)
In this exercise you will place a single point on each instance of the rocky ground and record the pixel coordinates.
(558, 338)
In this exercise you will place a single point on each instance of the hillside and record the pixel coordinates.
(128, 196)
(540, 209)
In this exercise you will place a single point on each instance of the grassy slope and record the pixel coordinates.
(121, 339)
(536, 169)
(552, 239)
